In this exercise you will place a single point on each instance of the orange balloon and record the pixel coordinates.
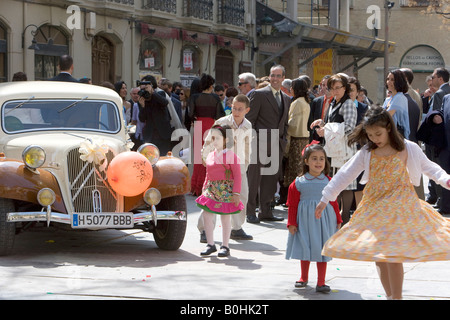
(129, 173)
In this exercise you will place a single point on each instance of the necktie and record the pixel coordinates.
(278, 98)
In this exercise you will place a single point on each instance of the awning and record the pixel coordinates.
(289, 34)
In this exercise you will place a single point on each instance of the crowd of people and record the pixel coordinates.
(323, 152)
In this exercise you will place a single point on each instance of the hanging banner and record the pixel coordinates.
(322, 65)
(188, 64)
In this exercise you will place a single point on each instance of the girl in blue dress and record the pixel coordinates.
(307, 235)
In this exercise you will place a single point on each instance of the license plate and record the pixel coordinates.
(102, 220)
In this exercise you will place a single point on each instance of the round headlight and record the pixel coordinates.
(46, 197)
(33, 156)
(150, 151)
(152, 196)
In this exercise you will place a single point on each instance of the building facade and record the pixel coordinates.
(419, 37)
(113, 40)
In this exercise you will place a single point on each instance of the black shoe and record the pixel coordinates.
(252, 219)
(323, 289)
(203, 237)
(273, 218)
(209, 249)
(431, 200)
(240, 235)
(224, 252)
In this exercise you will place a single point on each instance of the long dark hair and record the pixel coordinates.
(300, 88)
(400, 81)
(377, 116)
(307, 153)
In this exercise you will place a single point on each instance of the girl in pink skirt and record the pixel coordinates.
(221, 190)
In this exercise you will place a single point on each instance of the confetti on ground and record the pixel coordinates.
(334, 290)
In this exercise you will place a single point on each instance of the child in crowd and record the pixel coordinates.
(391, 224)
(307, 235)
(242, 134)
(221, 190)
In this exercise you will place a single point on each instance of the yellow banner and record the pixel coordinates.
(322, 65)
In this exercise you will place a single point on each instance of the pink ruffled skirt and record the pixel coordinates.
(217, 197)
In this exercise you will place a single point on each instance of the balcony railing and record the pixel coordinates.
(169, 6)
(201, 9)
(126, 2)
(231, 12)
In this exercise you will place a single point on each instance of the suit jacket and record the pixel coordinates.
(414, 117)
(436, 99)
(64, 76)
(265, 114)
(446, 112)
(157, 129)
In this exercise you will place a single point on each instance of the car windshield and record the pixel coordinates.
(71, 114)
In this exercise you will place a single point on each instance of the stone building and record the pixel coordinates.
(126, 39)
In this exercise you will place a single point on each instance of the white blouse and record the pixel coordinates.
(416, 163)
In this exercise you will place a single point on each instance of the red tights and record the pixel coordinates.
(321, 271)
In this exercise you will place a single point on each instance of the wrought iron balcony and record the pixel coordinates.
(126, 2)
(201, 9)
(169, 6)
(231, 12)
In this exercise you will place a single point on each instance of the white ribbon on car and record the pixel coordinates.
(94, 151)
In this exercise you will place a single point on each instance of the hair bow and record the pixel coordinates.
(308, 145)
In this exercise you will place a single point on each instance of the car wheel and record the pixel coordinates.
(7, 229)
(169, 234)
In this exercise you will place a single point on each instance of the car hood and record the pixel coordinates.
(56, 145)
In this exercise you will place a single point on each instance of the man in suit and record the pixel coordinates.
(439, 79)
(319, 107)
(268, 113)
(444, 156)
(443, 117)
(65, 70)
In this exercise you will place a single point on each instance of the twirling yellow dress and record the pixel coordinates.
(391, 224)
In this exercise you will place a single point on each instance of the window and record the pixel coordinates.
(151, 56)
(52, 44)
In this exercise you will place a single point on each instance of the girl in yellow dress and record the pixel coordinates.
(391, 224)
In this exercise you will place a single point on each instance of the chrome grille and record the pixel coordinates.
(88, 186)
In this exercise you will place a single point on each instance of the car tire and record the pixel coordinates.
(169, 234)
(7, 229)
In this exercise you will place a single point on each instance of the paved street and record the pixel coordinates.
(54, 264)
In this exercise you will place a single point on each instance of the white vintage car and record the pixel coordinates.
(57, 141)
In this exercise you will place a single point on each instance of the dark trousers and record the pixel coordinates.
(444, 159)
(263, 185)
(434, 189)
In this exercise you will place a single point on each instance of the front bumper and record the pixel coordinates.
(49, 216)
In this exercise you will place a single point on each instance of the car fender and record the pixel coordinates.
(20, 183)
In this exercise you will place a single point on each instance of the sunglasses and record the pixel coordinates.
(242, 83)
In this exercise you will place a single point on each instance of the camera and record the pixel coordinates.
(143, 93)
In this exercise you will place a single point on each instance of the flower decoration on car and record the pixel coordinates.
(94, 151)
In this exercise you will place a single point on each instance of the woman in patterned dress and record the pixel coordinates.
(391, 224)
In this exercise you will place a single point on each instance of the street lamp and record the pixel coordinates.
(388, 5)
(266, 25)
(33, 45)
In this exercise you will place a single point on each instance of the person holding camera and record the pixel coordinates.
(157, 128)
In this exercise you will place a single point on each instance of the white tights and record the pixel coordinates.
(208, 220)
